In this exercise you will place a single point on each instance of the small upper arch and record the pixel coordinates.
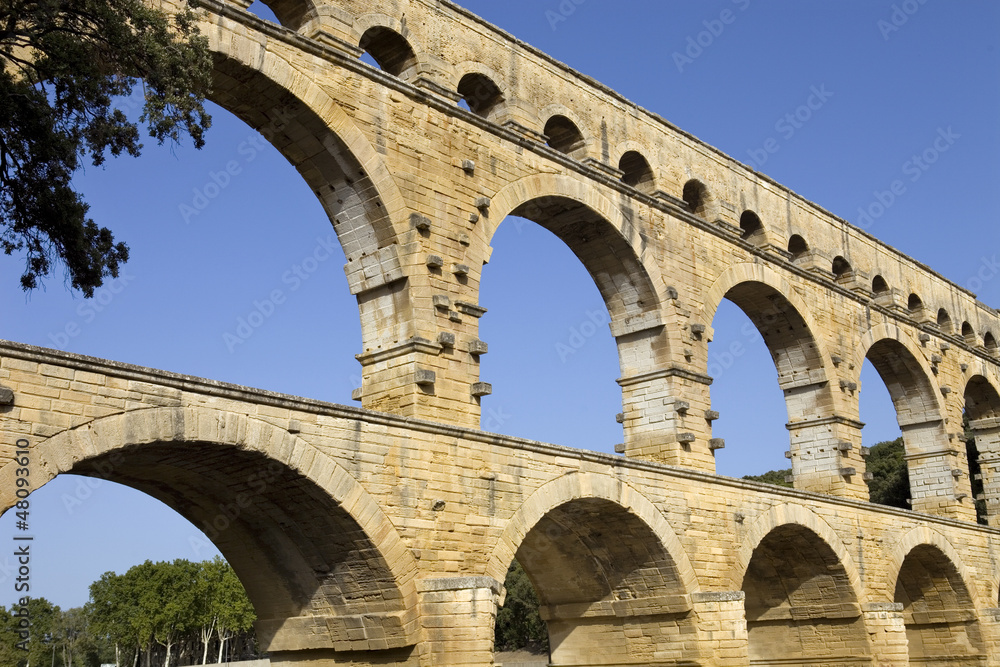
(944, 320)
(797, 247)
(879, 286)
(969, 334)
(698, 198)
(563, 133)
(479, 89)
(990, 343)
(752, 228)
(389, 43)
(842, 269)
(637, 172)
(915, 304)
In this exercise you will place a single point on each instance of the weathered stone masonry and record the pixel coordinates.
(381, 535)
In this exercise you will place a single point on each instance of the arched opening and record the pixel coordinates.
(944, 320)
(696, 196)
(753, 228)
(564, 390)
(290, 13)
(301, 556)
(982, 425)
(886, 463)
(797, 247)
(918, 414)
(990, 343)
(915, 305)
(800, 602)
(842, 269)
(604, 579)
(751, 422)
(969, 334)
(636, 172)
(480, 94)
(879, 286)
(564, 136)
(941, 623)
(792, 350)
(389, 50)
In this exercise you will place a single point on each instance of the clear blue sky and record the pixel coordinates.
(189, 282)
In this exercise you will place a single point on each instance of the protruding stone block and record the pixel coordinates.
(482, 389)
(424, 377)
(478, 347)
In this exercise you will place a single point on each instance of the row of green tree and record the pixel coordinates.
(154, 615)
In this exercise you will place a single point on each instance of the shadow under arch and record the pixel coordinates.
(782, 319)
(919, 413)
(314, 551)
(803, 591)
(607, 568)
(340, 165)
(928, 578)
(982, 409)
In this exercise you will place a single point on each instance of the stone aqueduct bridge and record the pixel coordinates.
(381, 535)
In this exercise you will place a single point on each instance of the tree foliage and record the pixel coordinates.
(890, 483)
(62, 65)
(776, 477)
(518, 623)
(165, 613)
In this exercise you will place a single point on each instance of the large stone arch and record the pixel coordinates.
(607, 568)
(927, 577)
(931, 453)
(799, 515)
(805, 373)
(316, 553)
(610, 245)
(803, 592)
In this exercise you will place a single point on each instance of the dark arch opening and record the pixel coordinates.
(603, 578)
(990, 343)
(637, 172)
(879, 286)
(936, 605)
(480, 93)
(292, 14)
(968, 333)
(695, 195)
(389, 49)
(797, 247)
(800, 603)
(753, 228)
(842, 269)
(944, 320)
(564, 136)
(914, 304)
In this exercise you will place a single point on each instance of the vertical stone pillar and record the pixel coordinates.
(989, 621)
(668, 418)
(939, 471)
(826, 456)
(722, 628)
(458, 615)
(987, 434)
(887, 633)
